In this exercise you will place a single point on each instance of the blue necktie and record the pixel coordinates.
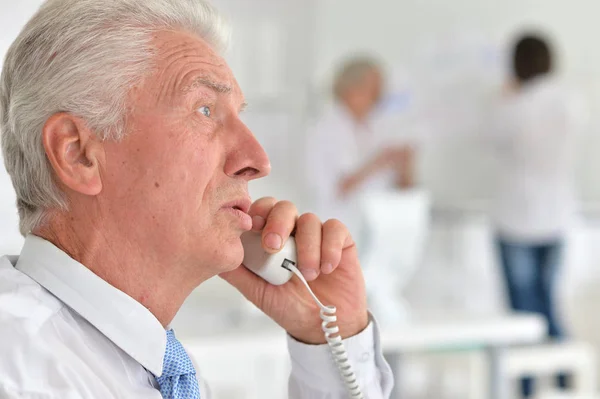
(178, 380)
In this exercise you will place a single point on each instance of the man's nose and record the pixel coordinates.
(247, 158)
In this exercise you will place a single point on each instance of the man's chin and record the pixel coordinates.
(233, 256)
(225, 253)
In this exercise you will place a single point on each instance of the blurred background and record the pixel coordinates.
(407, 118)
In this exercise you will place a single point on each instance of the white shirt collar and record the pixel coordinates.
(123, 320)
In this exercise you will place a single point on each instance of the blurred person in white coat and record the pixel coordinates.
(121, 132)
(346, 154)
(535, 132)
(356, 151)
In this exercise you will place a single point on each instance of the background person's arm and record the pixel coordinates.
(386, 159)
(405, 168)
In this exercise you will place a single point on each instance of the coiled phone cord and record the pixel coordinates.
(334, 340)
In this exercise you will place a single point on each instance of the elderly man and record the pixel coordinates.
(121, 133)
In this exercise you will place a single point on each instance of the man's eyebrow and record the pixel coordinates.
(207, 82)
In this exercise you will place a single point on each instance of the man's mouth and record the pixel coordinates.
(241, 204)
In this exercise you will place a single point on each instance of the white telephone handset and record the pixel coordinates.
(278, 269)
(272, 267)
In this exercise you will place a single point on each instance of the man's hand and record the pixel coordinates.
(327, 258)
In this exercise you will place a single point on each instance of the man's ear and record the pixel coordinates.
(74, 152)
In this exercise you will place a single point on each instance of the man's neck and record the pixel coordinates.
(123, 265)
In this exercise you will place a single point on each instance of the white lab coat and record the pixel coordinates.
(337, 147)
(535, 132)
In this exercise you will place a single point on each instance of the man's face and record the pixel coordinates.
(179, 181)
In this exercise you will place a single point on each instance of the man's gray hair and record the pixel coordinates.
(81, 57)
(352, 73)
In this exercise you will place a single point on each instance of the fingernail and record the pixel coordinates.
(273, 241)
(309, 274)
(258, 222)
(326, 268)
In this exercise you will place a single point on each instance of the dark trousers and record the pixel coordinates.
(530, 273)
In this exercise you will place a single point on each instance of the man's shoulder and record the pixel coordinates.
(26, 309)
(39, 347)
(24, 304)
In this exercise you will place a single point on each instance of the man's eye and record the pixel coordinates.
(205, 111)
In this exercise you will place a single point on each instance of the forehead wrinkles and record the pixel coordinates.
(180, 57)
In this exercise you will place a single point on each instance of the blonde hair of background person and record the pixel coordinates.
(352, 74)
(122, 136)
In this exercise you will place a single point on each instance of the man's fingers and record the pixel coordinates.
(280, 224)
(319, 246)
(259, 211)
(335, 239)
(308, 245)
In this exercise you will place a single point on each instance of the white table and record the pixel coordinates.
(492, 334)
